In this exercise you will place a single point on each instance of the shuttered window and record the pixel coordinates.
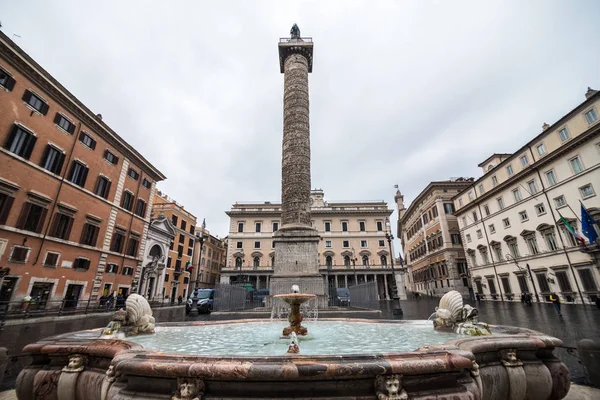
(78, 173)
(20, 142)
(36, 102)
(6, 81)
(53, 159)
(61, 226)
(110, 157)
(102, 187)
(64, 123)
(32, 217)
(87, 140)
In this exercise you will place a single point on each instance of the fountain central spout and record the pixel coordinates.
(295, 300)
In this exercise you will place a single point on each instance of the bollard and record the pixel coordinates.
(589, 351)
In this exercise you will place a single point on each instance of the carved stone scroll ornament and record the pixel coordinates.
(389, 387)
(189, 389)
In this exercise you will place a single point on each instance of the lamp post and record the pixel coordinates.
(354, 267)
(390, 237)
(510, 257)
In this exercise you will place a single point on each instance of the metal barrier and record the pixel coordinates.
(230, 297)
(364, 295)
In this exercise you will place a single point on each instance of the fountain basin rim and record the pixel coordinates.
(295, 296)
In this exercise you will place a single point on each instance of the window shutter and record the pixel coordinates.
(68, 231)
(45, 108)
(93, 144)
(57, 118)
(61, 161)
(95, 236)
(11, 136)
(83, 232)
(6, 209)
(10, 83)
(116, 160)
(23, 215)
(30, 144)
(107, 191)
(54, 228)
(84, 177)
(71, 128)
(81, 136)
(41, 220)
(105, 153)
(26, 96)
(71, 171)
(45, 156)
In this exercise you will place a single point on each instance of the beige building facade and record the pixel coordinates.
(431, 241)
(353, 247)
(510, 218)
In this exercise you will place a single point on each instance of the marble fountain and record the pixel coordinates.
(455, 357)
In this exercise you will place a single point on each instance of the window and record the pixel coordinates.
(473, 258)
(492, 228)
(363, 243)
(127, 200)
(36, 102)
(6, 203)
(479, 234)
(89, 235)
(498, 250)
(379, 226)
(112, 268)
(455, 237)
(257, 227)
(180, 253)
(425, 220)
(257, 245)
(32, 217)
(146, 183)
(448, 208)
(78, 173)
(484, 256)
(509, 170)
(564, 134)
(464, 221)
(19, 254)
(576, 165)
(381, 243)
(475, 218)
(486, 209)
(64, 123)
(238, 245)
(240, 227)
(551, 178)
(53, 159)
(327, 226)
(275, 226)
(494, 181)
(468, 236)
(523, 283)
(586, 191)
(460, 202)
(118, 240)
(346, 261)
(481, 190)
(532, 187)
(328, 244)
(61, 227)
(587, 279)
(591, 116)
(344, 226)
(365, 261)
(563, 281)
(524, 161)
(6, 80)
(183, 225)
(479, 287)
(181, 238)
(110, 157)
(133, 174)
(500, 201)
(540, 209)
(87, 140)
(550, 241)
(523, 216)
(20, 142)
(517, 195)
(345, 243)
(470, 195)
(505, 284)
(532, 244)
(102, 186)
(174, 219)
(506, 223)
(560, 201)
(192, 229)
(543, 282)
(81, 263)
(541, 149)
(129, 271)
(362, 226)
(51, 259)
(492, 285)
(132, 246)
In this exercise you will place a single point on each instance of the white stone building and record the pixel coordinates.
(353, 245)
(510, 217)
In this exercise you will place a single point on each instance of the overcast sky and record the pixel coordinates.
(402, 92)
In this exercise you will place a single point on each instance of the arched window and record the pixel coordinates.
(328, 261)
(238, 262)
(155, 251)
(365, 260)
(256, 261)
(347, 261)
(383, 260)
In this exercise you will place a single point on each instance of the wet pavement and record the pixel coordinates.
(577, 322)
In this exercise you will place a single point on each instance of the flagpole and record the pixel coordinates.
(574, 212)
(595, 224)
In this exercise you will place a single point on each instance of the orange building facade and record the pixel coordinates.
(75, 198)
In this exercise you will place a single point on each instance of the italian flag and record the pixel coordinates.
(578, 237)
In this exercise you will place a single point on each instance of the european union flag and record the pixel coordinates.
(587, 225)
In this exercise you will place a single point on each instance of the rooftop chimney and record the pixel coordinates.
(545, 126)
(590, 92)
(99, 116)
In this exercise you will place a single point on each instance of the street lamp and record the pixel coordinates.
(354, 265)
(510, 257)
(390, 237)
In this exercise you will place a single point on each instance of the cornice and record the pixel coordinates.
(415, 204)
(20, 60)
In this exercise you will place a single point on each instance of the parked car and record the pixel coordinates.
(203, 299)
(342, 297)
(260, 296)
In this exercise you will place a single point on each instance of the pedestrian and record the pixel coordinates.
(180, 299)
(556, 300)
(477, 297)
(523, 298)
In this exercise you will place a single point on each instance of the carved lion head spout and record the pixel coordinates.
(189, 389)
(389, 387)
